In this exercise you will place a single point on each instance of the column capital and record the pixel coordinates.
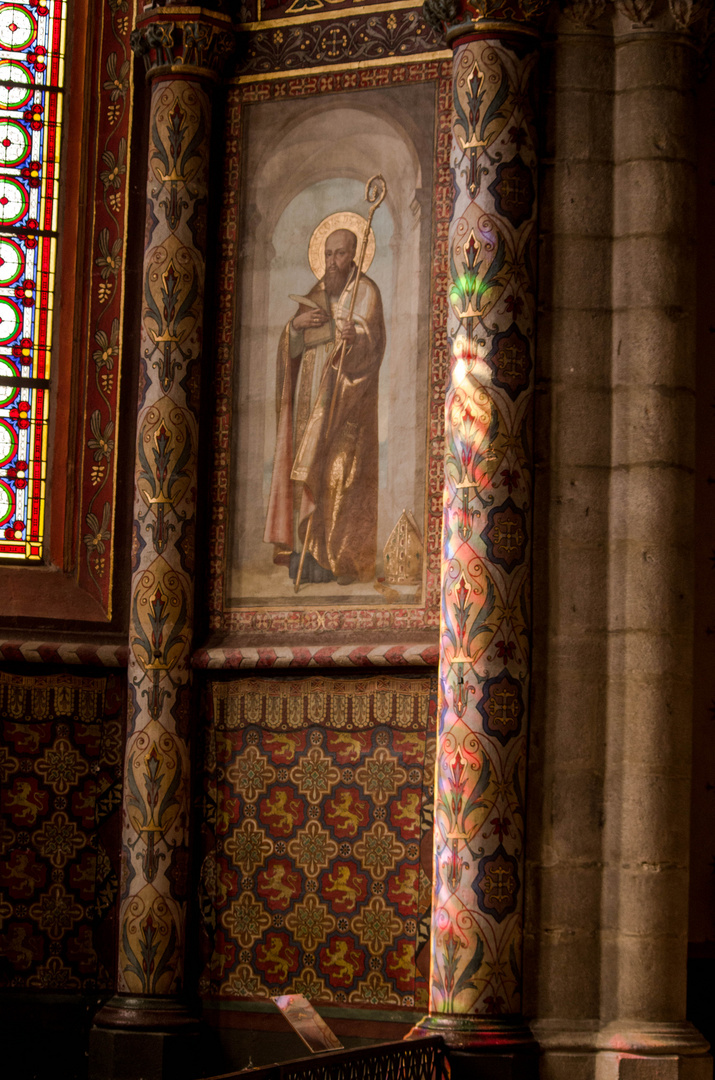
(693, 18)
(460, 19)
(156, 1013)
(177, 39)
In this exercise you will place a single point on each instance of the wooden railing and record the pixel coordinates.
(416, 1059)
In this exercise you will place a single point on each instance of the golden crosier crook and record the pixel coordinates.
(375, 192)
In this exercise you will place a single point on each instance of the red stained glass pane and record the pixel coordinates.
(32, 40)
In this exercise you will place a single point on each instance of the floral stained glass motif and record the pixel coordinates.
(32, 45)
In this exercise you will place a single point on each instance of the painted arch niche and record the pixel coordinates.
(302, 161)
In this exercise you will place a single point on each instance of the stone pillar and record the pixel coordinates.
(572, 447)
(183, 49)
(477, 914)
(650, 600)
(609, 877)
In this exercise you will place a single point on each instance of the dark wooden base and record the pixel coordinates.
(123, 1054)
(485, 1048)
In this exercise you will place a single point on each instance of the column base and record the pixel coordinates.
(652, 1051)
(151, 1038)
(489, 1048)
(622, 1051)
(157, 1013)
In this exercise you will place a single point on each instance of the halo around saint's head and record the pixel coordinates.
(345, 219)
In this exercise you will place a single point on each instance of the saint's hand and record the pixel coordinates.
(310, 319)
(348, 331)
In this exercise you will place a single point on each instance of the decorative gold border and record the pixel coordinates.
(322, 16)
(100, 313)
(332, 69)
(385, 629)
(192, 11)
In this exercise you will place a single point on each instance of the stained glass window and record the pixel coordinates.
(32, 46)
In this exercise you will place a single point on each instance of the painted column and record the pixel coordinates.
(477, 916)
(183, 49)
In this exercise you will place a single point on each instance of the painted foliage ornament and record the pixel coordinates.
(439, 13)
(454, 18)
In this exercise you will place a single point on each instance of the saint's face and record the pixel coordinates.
(339, 253)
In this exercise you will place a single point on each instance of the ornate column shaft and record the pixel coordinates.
(484, 654)
(183, 49)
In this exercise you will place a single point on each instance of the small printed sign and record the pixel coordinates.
(311, 1027)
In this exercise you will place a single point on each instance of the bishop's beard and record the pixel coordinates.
(336, 280)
